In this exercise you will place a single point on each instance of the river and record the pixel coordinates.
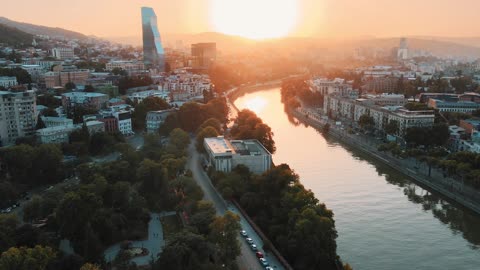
(383, 219)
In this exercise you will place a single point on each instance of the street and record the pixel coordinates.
(247, 259)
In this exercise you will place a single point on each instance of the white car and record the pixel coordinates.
(249, 240)
(243, 233)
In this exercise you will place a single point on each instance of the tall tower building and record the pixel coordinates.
(153, 53)
(402, 53)
(204, 54)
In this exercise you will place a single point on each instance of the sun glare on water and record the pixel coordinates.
(256, 105)
(256, 19)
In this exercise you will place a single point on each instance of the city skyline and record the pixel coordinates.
(313, 18)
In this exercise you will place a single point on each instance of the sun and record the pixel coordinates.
(256, 19)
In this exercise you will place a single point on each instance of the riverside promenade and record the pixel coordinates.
(437, 181)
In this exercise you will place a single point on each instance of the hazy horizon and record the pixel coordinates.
(294, 18)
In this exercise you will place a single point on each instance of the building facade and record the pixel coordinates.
(125, 65)
(452, 106)
(155, 119)
(92, 100)
(153, 52)
(61, 78)
(17, 116)
(204, 55)
(63, 53)
(7, 82)
(224, 155)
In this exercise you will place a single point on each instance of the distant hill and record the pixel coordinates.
(13, 36)
(42, 30)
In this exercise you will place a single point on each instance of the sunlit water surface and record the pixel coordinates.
(384, 220)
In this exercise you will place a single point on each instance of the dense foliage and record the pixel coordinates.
(249, 126)
(22, 75)
(298, 88)
(191, 115)
(301, 228)
(142, 108)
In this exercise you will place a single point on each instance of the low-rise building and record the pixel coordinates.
(92, 100)
(325, 86)
(452, 106)
(155, 119)
(124, 119)
(61, 78)
(55, 134)
(352, 109)
(224, 155)
(95, 127)
(125, 65)
(7, 82)
(63, 53)
(52, 121)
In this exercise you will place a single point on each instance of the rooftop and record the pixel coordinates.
(220, 145)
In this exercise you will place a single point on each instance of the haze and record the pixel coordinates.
(319, 18)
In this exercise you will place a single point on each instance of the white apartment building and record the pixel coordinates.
(224, 155)
(7, 82)
(17, 116)
(63, 53)
(51, 121)
(140, 96)
(453, 106)
(353, 109)
(125, 65)
(124, 122)
(325, 86)
(56, 134)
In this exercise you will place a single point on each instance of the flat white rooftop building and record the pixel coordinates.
(224, 155)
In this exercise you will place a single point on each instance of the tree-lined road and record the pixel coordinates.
(247, 259)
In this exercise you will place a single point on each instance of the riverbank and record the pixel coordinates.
(449, 188)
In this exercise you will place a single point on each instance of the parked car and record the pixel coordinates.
(268, 268)
(263, 262)
(243, 233)
(253, 247)
(249, 240)
(259, 254)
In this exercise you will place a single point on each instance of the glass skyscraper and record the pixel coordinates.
(153, 53)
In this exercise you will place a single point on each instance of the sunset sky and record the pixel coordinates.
(321, 18)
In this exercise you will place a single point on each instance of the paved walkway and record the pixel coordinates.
(154, 243)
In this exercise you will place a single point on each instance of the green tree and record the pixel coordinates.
(186, 251)
(147, 105)
(249, 126)
(366, 122)
(70, 86)
(207, 132)
(392, 127)
(24, 258)
(211, 122)
(224, 234)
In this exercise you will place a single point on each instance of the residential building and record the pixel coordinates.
(95, 126)
(61, 78)
(51, 121)
(140, 96)
(153, 52)
(452, 106)
(124, 119)
(352, 109)
(125, 65)
(63, 53)
(425, 97)
(224, 155)
(204, 55)
(327, 87)
(17, 116)
(470, 96)
(91, 100)
(110, 123)
(55, 134)
(7, 82)
(155, 119)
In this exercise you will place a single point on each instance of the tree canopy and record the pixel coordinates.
(249, 126)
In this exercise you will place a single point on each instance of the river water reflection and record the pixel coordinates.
(384, 220)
